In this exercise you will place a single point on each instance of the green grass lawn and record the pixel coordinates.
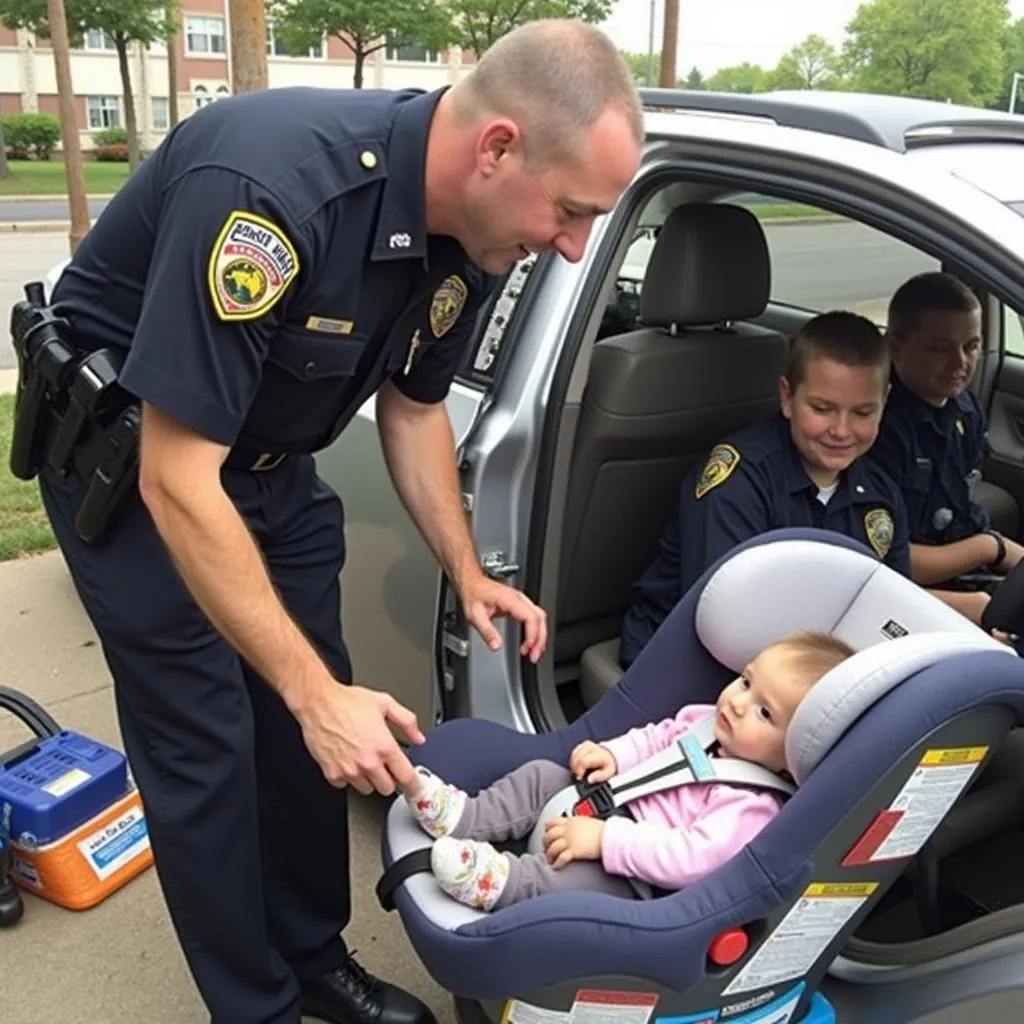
(23, 524)
(46, 177)
(781, 211)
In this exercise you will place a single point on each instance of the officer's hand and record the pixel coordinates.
(346, 731)
(590, 757)
(485, 599)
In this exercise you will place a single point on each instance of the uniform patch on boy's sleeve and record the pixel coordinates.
(880, 528)
(251, 264)
(721, 462)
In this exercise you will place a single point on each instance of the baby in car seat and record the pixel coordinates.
(668, 839)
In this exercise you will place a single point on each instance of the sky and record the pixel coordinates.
(718, 33)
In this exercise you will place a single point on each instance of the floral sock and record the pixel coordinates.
(469, 871)
(437, 806)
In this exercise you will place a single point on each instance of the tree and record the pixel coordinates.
(638, 64)
(5, 171)
(744, 77)
(479, 23)
(694, 80)
(813, 64)
(364, 26)
(122, 21)
(934, 49)
(1013, 61)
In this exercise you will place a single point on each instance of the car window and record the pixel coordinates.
(822, 261)
(1013, 332)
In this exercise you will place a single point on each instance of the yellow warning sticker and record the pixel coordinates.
(840, 889)
(955, 755)
(818, 916)
(63, 785)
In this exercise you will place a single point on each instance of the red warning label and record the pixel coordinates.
(864, 850)
(600, 1006)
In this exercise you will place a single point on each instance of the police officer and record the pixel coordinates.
(800, 468)
(282, 256)
(933, 439)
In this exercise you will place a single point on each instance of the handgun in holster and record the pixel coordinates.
(72, 413)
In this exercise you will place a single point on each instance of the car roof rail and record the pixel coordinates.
(898, 123)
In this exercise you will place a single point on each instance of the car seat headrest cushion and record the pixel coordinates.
(760, 595)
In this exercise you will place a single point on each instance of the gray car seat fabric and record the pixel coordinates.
(656, 400)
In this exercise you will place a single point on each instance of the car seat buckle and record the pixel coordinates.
(596, 801)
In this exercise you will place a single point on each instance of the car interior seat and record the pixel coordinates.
(657, 399)
(926, 689)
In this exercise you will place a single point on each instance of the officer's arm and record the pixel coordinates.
(717, 513)
(416, 434)
(217, 283)
(933, 563)
(898, 555)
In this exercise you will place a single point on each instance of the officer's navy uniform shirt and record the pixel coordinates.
(274, 268)
(935, 455)
(767, 488)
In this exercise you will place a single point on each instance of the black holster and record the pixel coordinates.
(71, 414)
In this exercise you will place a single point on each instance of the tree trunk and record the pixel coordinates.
(172, 68)
(131, 123)
(360, 60)
(5, 171)
(248, 45)
(69, 128)
(669, 45)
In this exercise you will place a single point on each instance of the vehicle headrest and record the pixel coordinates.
(765, 593)
(709, 264)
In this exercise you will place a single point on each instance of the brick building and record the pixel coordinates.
(28, 80)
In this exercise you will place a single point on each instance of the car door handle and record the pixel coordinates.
(496, 563)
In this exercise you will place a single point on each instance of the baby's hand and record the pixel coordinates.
(575, 838)
(594, 760)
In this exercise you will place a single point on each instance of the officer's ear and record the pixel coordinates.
(498, 139)
(785, 396)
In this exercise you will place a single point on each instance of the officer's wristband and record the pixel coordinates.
(1001, 552)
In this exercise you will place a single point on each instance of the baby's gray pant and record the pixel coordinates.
(509, 810)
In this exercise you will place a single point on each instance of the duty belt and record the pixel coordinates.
(254, 461)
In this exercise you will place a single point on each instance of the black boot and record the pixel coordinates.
(351, 995)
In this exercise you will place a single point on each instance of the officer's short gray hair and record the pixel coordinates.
(555, 78)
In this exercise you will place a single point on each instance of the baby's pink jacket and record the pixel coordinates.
(677, 836)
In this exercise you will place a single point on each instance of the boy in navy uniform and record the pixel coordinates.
(283, 256)
(801, 468)
(933, 439)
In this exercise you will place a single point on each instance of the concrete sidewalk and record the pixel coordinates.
(120, 962)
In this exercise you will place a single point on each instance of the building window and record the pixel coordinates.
(201, 95)
(276, 49)
(104, 112)
(161, 114)
(204, 35)
(97, 39)
(420, 54)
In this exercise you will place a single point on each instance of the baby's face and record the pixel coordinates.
(754, 711)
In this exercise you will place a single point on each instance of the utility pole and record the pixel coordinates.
(248, 45)
(669, 42)
(73, 170)
(174, 17)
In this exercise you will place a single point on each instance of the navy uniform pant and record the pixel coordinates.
(250, 842)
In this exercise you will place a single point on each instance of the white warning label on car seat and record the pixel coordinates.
(790, 951)
(916, 811)
(591, 1006)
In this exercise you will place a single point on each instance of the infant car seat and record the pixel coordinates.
(881, 749)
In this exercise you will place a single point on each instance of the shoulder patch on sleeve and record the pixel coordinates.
(251, 263)
(880, 529)
(721, 462)
(447, 304)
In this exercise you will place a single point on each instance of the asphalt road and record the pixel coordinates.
(819, 266)
(42, 209)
